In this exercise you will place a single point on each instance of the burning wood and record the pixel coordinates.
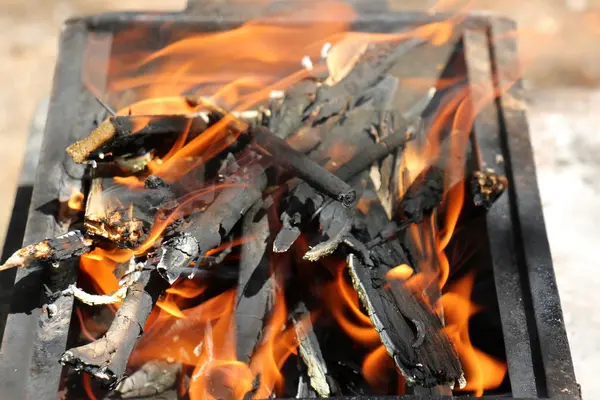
(50, 251)
(486, 187)
(318, 174)
(106, 358)
(152, 378)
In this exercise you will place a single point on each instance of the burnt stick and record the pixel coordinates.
(205, 230)
(106, 358)
(365, 158)
(128, 132)
(54, 250)
(312, 173)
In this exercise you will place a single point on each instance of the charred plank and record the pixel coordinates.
(418, 347)
(288, 116)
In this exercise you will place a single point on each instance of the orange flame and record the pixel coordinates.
(345, 308)
(76, 200)
(481, 370)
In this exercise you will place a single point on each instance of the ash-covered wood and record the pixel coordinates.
(50, 251)
(256, 283)
(106, 358)
(335, 222)
(154, 377)
(303, 167)
(310, 352)
(486, 187)
(120, 135)
(205, 230)
(288, 116)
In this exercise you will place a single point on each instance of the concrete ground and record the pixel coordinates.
(559, 43)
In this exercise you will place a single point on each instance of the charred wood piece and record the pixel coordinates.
(303, 167)
(423, 195)
(154, 377)
(486, 187)
(310, 352)
(418, 347)
(305, 391)
(256, 283)
(336, 223)
(122, 215)
(121, 135)
(106, 358)
(50, 251)
(287, 117)
(366, 157)
(205, 230)
(305, 201)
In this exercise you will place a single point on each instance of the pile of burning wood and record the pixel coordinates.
(263, 209)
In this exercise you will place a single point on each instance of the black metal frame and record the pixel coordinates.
(539, 360)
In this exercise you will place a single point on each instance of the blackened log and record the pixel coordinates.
(256, 283)
(287, 117)
(126, 134)
(310, 351)
(411, 334)
(124, 215)
(106, 358)
(423, 195)
(303, 167)
(486, 187)
(154, 377)
(50, 251)
(206, 229)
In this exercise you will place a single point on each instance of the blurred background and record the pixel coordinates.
(560, 48)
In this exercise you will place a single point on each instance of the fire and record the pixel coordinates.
(481, 370)
(246, 65)
(99, 270)
(346, 310)
(76, 200)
